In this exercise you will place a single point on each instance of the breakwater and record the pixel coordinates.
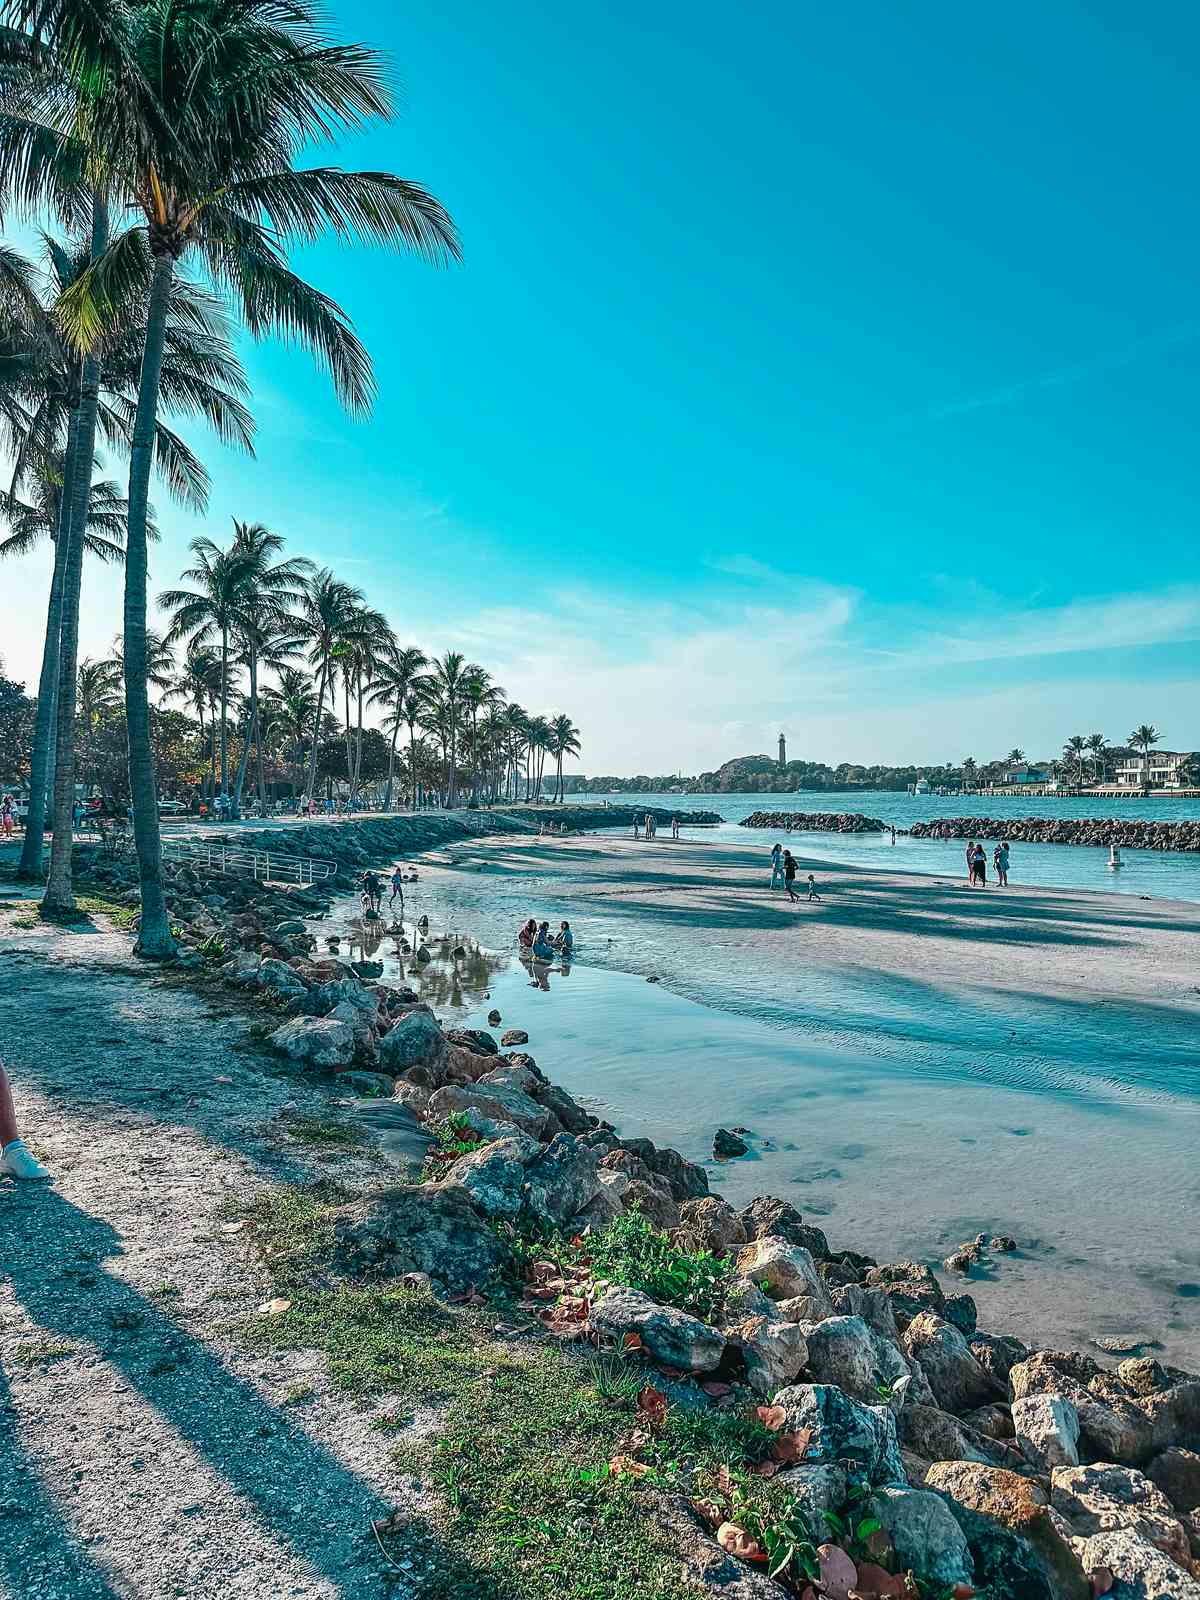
(1098, 832)
(814, 821)
(355, 842)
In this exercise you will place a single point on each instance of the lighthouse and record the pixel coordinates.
(782, 751)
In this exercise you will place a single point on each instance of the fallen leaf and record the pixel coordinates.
(631, 1341)
(789, 1447)
(394, 1522)
(874, 1583)
(772, 1417)
(627, 1467)
(737, 1542)
(653, 1402)
(712, 1387)
(232, 1227)
(708, 1511)
(724, 1480)
(961, 1591)
(838, 1573)
(275, 1308)
(672, 1372)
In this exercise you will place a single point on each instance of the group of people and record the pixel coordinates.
(536, 940)
(784, 870)
(648, 825)
(977, 864)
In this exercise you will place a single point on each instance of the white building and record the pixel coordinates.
(1161, 769)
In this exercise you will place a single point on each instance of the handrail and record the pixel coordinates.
(260, 864)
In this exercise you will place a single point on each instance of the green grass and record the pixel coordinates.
(327, 1133)
(87, 906)
(42, 1352)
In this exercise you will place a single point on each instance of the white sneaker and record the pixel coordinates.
(17, 1162)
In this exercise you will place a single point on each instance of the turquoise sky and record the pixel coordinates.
(825, 368)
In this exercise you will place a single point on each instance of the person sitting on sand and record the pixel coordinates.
(527, 934)
(776, 864)
(812, 888)
(564, 941)
(15, 1160)
(543, 944)
(789, 874)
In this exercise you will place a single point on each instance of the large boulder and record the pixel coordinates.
(280, 978)
(494, 1175)
(1111, 1427)
(813, 1494)
(1046, 1426)
(774, 1351)
(924, 1535)
(937, 1435)
(476, 1040)
(1021, 1549)
(841, 1430)
(670, 1335)
(767, 1216)
(416, 1040)
(684, 1178)
(786, 1272)
(846, 1352)
(567, 1112)
(315, 1041)
(911, 1287)
(561, 1180)
(1177, 1473)
(1131, 1568)
(710, 1224)
(1104, 1496)
(430, 1228)
(1174, 1415)
(498, 1105)
(958, 1382)
(872, 1305)
(997, 1355)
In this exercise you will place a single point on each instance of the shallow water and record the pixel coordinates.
(901, 1118)
(1172, 875)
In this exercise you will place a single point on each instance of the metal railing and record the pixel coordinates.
(261, 864)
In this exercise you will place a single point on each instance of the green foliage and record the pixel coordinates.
(632, 1252)
(213, 948)
(327, 1133)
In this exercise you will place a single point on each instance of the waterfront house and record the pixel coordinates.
(1161, 769)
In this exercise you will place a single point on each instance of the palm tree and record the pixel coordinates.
(395, 675)
(1073, 754)
(293, 706)
(210, 102)
(564, 741)
(478, 694)
(1098, 746)
(412, 709)
(1144, 738)
(969, 770)
(1014, 758)
(327, 608)
(199, 684)
(367, 636)
(447, 681)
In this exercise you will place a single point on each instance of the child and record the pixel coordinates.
(812, 888)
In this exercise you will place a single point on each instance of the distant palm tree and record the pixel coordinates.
(564, 741)
(198, 682)
(412, 709)
(293, 706)
(327, 609)
(395, 675)
(447, 682)
(969, 770)
(1098, 748)
(537, 736)
(1144, 738)
(479, 693)
(1074, 753)
(367, 637)
(1015, 758)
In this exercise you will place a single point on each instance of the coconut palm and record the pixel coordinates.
(1014, 758)
(564, 741)
(209, 103)
(1097, 746)
(1074, 754)
(367, 637)
(395, 674)
(293, 705)
(1144, 737)
(199, 684)
(327, 609)
(479, 693)
(447, 687)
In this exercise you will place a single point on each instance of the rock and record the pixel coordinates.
(994, 1421)
(416, 1040)
(367, 969)
(844, 1430)
(474, 1039)
(997, 1355)
(1143, 1375)
(413, 1095)
(653, 1201)
(493, 1018)
(872, 1305)
(683, 1178)
(671, 1336)
(1138, 1569)
(1110, 1428)
(728, 1146)
(1177, 1473)
(1100, 1498)
(774, 1351)
(282, 930)
(241, 968)
(497, 1104)
(958, 1382)
(334, 992)
(315, 1041)
(960, 1312)
(924, 1535)
(768, 1217)
(367, 1085)
(1174, 1415)
(961, 1261)
(937, 1435)
(1020, 1549)
(846, 1352)
(494, 1175)
(703, 1560)
(427, 1227)
(562, 1179)
(742, 1299)
(514, 1036)
(786, 1272)
(911, 1288)
(710, 1224)
(565, 1110)
(1046, 1426)
(278, 976)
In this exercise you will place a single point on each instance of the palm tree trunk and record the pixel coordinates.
(251, 729)
(311, 786)
(78, 489)
(412, 763)
(387, 794)
(45, 725)
(154, 931)
(225, 711)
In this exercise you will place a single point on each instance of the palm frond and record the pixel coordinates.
(99, 295)
(369, 205)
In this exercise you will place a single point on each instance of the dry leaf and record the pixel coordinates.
(874, 1583)
(653, 1402)
(767, 1469)
(394, 1522)
(708, 1511)
(961, 1591)
(631, 1341)
(232, 1227)
(716, 1389)
(789, 1447)
(275, 1308)
(626, 1466)
(838, 1573)
(737, 1542)
(772, 1417)
(724, 1480)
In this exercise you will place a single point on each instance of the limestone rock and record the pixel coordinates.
(911, 1288)
(683, 1178)
(514, 1036)
(412, 1095)
(1020, 1548)
(844, 1430)
(429, 1227)
(367, 1085)
(315, 1041)
(937, 1435)
(1174, 1415)
(997, 1355)
(710, 1224)
(786, 1272)
(1100, 1498)
(566, 1111)
(961, 1312)
(1046, 1426)
(671, 1336)
(768, 1216)
(924, 1535)
(1110, 1428)
(1139, 1568)
(416, 1040)
(846, 1352)
(562, 1179)
(958, 1382)
(1177, 1473)
(653, 1201)
(872, 1305)
(811, 1492)
(774, 1351)
(497, 1104)
(475, 1040)
(494, 1175)
(278, 976)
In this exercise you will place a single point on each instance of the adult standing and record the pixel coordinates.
(776, 865)
(971, 861)
(981, 866)
(675, 827)
(1000, 862)
(789, 874)
(16, 1161)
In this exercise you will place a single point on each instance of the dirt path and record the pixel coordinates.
(141, 1453)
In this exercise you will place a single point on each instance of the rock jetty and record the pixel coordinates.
(1098, 832)
(814, 821)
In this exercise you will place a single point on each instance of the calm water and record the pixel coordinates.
(1174, 876)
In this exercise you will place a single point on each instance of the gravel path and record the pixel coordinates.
(141, 1453)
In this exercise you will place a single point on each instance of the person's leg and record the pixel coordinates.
(8, 1112)
(15, 1160)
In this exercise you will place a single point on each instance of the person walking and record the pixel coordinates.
(16, 1161)
(675, 827)
(776, 865)
(971, 862)
(812, 888)
(789, 875)
(7, 815)
(637, 824)
(397, 890)
(1000, 862)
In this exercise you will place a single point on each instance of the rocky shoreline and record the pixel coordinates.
(814, 822)
(982, 1466)
(1097, 832)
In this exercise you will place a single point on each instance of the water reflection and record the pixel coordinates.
(540, 971)
(448, 970)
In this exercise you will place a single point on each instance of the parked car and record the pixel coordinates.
(172, 808)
